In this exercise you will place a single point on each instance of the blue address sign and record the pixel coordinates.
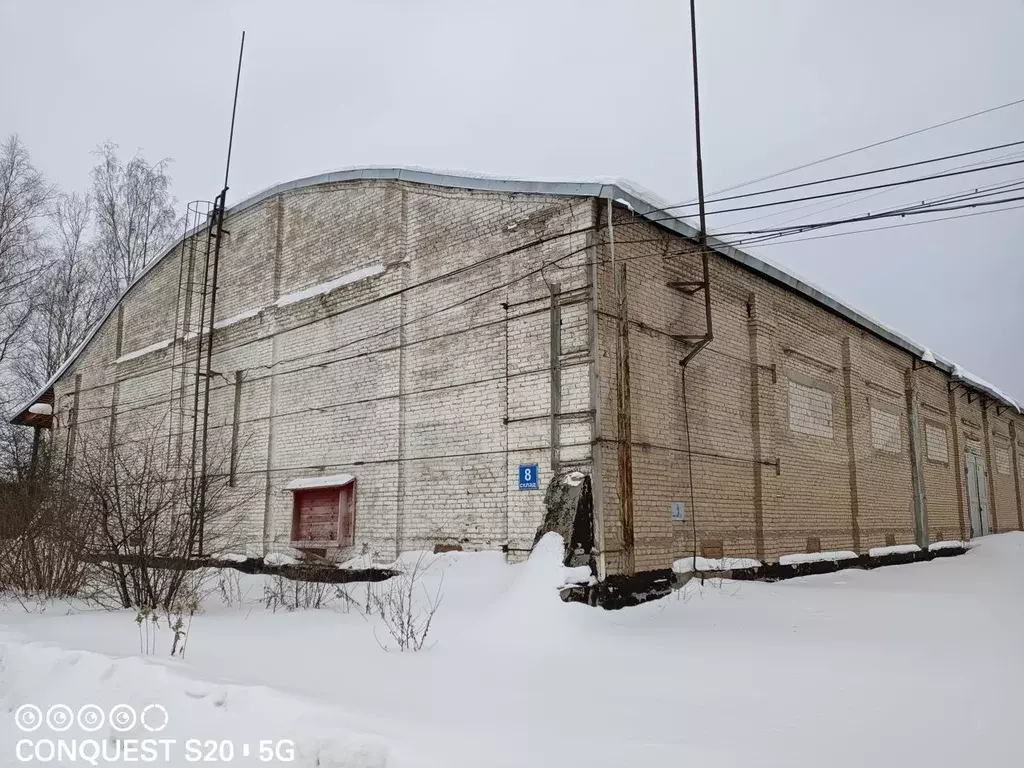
(528, 479)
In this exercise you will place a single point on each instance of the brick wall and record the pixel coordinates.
(786, 453)
(429, 382)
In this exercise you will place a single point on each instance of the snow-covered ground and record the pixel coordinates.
(910, 665)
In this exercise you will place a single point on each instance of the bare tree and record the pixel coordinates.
(69, 296)
(25, 197)
(135, 217)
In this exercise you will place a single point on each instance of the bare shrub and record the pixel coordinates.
(284, 594)
(406, 607)
(179, 623)
(43, 545)
(149, 517)
(229, 587)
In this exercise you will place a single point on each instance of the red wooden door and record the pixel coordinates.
(317, 514)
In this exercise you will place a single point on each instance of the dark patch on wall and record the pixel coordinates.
(624, 591)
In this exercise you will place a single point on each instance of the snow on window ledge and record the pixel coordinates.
(323, 289)
(163, 344)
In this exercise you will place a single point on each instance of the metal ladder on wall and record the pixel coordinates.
(191, 348)
(191, 307)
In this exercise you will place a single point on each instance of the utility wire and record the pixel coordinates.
(845, 177)
(911, 211)
(839, 193)
(859, 198)
(890, 140)
(890, 226)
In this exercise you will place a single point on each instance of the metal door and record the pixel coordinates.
(977, 493)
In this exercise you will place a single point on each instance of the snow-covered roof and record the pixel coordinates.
(640, 201)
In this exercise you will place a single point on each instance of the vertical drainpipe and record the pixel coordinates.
(268, 501)
(991, 479)
(555, 354)
(402, 310)
(595, 405)
(624, 425)
(753, 318)
(921, 534)
(956, 458)
(1015, 458)
(851, 443)
(69, 444)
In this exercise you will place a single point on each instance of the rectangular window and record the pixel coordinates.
(324, 517)
(810, 410)
(885, 430)
(1002, 456)
(936, 445)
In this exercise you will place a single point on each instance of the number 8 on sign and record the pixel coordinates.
(528, 480)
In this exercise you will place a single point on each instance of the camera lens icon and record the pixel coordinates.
(28, 718)
(122, 718)
(91, 718)
(59, 717)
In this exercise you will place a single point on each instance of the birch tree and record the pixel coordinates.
(134, 215)
(25, 197)
(70, 295)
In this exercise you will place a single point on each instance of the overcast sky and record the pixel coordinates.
(569, 88)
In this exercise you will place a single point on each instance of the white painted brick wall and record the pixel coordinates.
(334, 384)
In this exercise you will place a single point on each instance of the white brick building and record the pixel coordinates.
(390, 347)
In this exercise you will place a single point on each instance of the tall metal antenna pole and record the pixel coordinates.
(234, 110)
(696, 120)
(216, 233)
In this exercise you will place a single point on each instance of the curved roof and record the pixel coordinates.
(642, 202)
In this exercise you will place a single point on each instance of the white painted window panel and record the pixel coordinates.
(885, 430)
(1002, 456)
(810, 410)
(935, 438)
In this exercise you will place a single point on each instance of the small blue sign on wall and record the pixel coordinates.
(528, 480)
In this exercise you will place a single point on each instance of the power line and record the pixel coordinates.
(890, 226)
(845, 177)
(912, 211)
(855, 190)
(859, 198)
(872, 145)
